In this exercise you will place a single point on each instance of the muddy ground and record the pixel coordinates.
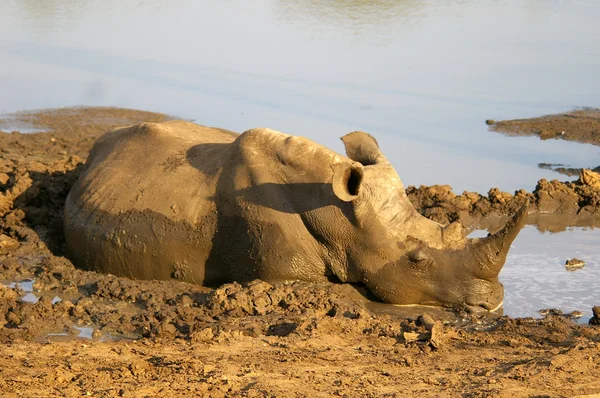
(67, 332)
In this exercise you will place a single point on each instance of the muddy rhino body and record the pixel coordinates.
(177, 200)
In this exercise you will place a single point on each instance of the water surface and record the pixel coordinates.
(535, 276)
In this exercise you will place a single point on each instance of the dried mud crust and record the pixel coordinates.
(174, 339)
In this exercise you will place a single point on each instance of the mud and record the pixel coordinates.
(568, 203)
(67, 332)
(580, 125)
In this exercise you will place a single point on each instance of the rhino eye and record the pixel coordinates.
(419, 259)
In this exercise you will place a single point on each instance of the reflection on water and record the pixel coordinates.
(357, 19)
(46, 16)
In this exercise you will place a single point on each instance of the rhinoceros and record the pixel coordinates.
(176, 200)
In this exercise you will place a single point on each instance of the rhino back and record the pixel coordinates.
(145, 205)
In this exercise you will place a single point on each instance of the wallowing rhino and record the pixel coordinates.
(204, 205)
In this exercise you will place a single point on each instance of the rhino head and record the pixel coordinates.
(405, 258)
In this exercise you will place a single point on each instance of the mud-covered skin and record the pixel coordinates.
(207, 206)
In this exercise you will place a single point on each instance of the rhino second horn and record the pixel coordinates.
(492, 250)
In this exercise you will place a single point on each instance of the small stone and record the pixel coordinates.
(437, 335)
(426, 321)
(574, 264)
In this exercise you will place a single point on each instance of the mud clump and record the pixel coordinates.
(574, 264)
(580, 199)
(87, 334)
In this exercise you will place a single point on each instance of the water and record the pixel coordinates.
(535, 276)
(422, 76)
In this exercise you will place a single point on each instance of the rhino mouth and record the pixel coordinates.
(490, 307)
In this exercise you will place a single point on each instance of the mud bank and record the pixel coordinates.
(553, 205)
(67, 332)
(581, 125)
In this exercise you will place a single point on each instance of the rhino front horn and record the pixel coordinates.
(492, 251)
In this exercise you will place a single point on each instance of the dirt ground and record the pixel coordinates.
(67, 332)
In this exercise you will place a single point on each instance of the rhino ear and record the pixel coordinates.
(362, 147)
(346, 181)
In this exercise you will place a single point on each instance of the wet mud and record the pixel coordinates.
(580, 125)
(563, 204)
(68, 332)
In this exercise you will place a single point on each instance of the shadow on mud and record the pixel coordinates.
(40, 207)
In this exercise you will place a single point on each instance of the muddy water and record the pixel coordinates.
(535, 276)
(421, 75)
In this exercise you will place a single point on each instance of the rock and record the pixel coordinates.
(574, 264)
(426, 321)
(437, 335)
(410, 337)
